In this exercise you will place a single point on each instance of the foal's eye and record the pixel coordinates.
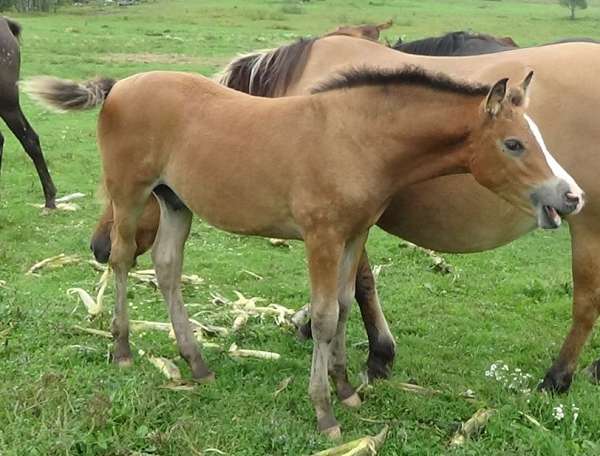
(514, 146)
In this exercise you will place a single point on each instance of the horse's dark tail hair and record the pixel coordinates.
(64, 95)
(14, 26)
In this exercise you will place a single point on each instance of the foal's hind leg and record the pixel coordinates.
(121, 259)
(167, 255)
(18, 124)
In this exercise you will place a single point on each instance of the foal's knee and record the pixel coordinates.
(324, 323)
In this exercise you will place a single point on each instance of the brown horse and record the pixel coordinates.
(10, 109)
(321, 168)
(453, 213)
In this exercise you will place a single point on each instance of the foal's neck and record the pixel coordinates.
(414, 133)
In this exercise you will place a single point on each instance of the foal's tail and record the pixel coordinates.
(64, 95)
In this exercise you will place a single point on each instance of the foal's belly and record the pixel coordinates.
(454, 214)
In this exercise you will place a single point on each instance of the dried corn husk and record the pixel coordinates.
(70, 197)
(241, 353)
(95, 332)
(438, 263)
(60, 206)
(365, 446)
(166, 366)
(278, 242)
(472, 426)
(179, 385)
(412, 388)
(240, 321)
(57, 261)
(282, 385)
(253, 274)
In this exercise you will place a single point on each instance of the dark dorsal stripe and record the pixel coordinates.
(408, 75)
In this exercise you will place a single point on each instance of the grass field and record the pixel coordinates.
(58, 393)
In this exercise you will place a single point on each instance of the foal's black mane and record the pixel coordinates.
(408, 75)
(450, 43)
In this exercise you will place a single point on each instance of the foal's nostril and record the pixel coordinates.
(572, 198)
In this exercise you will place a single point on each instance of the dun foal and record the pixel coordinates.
(321, 168)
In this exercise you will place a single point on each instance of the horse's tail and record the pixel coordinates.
(14, 27)
(64, 95)
(267, 73)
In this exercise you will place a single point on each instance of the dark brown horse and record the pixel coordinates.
(462, 43)
(10, 109)
(456, 44)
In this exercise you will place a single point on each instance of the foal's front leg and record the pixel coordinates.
(324, 254)
(346, 284)
(167, 255)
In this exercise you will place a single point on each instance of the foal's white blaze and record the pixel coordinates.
(558, 170)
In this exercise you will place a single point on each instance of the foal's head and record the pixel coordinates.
(507, 154)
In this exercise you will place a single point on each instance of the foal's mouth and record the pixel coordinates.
(549, 217)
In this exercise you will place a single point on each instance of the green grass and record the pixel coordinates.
(511, 304)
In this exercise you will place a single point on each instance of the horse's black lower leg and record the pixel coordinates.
(1, 149)
(18, 124)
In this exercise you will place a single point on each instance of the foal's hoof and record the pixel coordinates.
(333, 433)
(352, 401)
(556, 382)
(123, 362)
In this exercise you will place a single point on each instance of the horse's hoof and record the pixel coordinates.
(556, 382)
(593, 372)
(204, 379)
(333, 433)
(124, 362)
(304, 333)
(352, 401)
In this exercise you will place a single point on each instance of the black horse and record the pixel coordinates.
(10, 109)
(467, 43)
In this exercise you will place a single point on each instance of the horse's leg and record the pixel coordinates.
(18, 124)
(167, 255)
(347, 280)
(382, 348)
(1, 149)
(586, 306)
(324, 252)
(122, 256)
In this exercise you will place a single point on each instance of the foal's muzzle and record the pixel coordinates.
(554, 200)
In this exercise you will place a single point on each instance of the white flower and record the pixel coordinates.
(558, 413)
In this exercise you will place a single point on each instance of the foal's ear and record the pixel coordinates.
(519, 96)
(495, 97)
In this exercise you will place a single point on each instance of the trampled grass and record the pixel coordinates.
(58, 394)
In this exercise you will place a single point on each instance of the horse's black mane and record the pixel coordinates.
(449, 43)
(408, 75)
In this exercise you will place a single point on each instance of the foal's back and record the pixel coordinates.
(210, 144)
